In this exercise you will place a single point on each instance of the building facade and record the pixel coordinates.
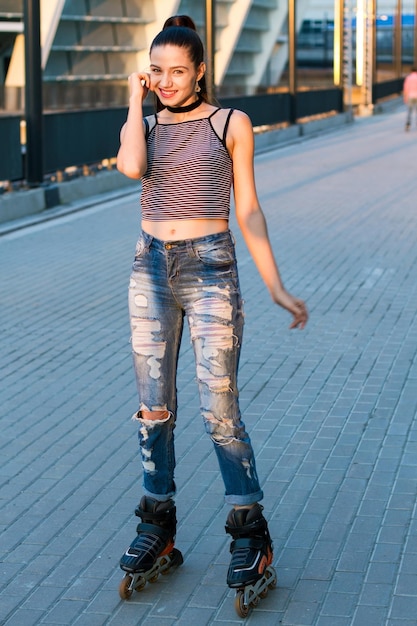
(103, 41)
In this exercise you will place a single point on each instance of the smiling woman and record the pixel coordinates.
(189, 155)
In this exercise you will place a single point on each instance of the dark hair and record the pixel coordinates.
(180, 30)
(180, 20)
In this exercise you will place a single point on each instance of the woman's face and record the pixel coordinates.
(173, 75)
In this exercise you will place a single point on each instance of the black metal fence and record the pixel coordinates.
(84, 137)
(263, 109)
(387, 88)
(81, 137)
(309, 103)
(11, 164)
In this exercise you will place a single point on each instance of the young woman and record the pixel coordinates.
(189, 156)
(410, 95)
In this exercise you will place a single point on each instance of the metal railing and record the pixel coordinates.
(387, 88)
(85, 137)
(74, 138)
(11, 161)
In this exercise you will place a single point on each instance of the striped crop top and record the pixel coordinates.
(190, 172)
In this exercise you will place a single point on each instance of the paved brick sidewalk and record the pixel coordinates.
(331, 410)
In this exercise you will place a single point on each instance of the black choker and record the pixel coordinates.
(186, 109)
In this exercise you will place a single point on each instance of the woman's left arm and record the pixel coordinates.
(251, 219)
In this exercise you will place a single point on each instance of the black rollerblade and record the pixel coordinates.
(152, 552)
(250, 571)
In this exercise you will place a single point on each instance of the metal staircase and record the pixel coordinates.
(103, 41)
(98, 40)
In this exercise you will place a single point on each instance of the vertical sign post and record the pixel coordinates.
(33, 93)
(292, 59)
(415, 35)
(347, 55)
(397, 40)
(365, 52)
(338, 41)
(210, 46)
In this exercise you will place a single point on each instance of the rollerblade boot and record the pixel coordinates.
(152, 551)
(250, 571)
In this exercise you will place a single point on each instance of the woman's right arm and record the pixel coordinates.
(132, 156)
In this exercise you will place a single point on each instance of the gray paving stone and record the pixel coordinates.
(333, 620)
(25, 617)
(372, 616)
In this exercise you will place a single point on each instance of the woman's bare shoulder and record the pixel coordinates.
(240, 121)
(241, 129)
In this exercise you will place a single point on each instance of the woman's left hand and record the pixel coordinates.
(300, 314)
(296, 307)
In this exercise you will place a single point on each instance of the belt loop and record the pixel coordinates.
(190, 247)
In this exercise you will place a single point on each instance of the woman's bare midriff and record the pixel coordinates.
(177, 230)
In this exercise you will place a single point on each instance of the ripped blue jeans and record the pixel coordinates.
(196, 278)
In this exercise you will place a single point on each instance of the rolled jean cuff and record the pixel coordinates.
(242, 500)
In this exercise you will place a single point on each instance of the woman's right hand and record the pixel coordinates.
(139, 84)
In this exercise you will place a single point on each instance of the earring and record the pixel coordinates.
(197, 87)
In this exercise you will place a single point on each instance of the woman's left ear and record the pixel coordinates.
(201, 71)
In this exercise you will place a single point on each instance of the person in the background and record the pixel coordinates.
(410, 95)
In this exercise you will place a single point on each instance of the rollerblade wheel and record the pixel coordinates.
(163, 562)
(241, 608)
(124, 588)
(153, 579)
(140, 584)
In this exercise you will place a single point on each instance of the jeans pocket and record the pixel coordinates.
(216, 253)
(140, 247)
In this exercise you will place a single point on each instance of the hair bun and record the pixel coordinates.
(180, 20)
